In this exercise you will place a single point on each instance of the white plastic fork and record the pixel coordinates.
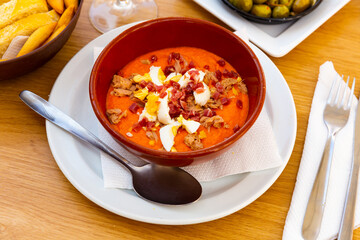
(336, 115)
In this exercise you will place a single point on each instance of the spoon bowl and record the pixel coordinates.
(166, 185)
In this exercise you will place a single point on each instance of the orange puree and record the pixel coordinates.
(231, 114)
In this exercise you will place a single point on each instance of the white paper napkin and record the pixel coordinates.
(255, 151)
(314, 144)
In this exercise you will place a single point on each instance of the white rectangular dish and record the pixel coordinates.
(275, 40)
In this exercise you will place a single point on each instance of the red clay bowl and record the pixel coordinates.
(175, 32)
(21, 65)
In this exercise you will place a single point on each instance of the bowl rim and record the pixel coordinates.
(271, 20)
(42, 47)
(164, 154)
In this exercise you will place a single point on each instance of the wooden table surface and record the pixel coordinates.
(38, 202)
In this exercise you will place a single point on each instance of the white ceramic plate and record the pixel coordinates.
(276, 40)
(81, 164)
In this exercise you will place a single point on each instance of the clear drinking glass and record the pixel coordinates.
(106, 15)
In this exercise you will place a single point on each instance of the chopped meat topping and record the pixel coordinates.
(205, 121)
(132, 76)
(209, 77)
(180, 98)
(152, 135)
(115, 115)
(153, 58)
(221, 62)
(214, 104)
(121, 92)
(193, 141)
(177, 66)
(212, 91)
(239, 104)
(120, 82)
(216, 121)
(134, 107)
(138, 101)
(145, 61)
(218, 74)
(168, 70)
(228, 82)
(242, 87)
(227, 74)
(133, 88)
(236, 128)
(225, 101)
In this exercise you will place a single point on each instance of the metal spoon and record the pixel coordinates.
(167, 185)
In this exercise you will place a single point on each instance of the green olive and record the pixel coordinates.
(300, 5)
(280, 12)
(287, 3)
(244, 5)
(259, 1)
(261, 10)
(273, 3)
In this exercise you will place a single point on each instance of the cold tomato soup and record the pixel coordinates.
(177, 99)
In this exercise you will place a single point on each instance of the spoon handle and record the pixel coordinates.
(54, 115)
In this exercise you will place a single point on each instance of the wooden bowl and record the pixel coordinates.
(18, 66)
(175, 32)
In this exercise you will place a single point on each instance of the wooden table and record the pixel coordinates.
(38, 202)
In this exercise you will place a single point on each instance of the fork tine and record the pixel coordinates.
(351, 96)
(338, 91)
(328, 101)
(344, 92)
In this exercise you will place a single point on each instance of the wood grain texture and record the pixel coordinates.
(38, 202)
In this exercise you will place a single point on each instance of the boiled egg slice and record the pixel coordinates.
(157, 75)
(141, 93)
(200, 76)
(203, 97)
(163, 112)
(145, 114)
(190, 126)
(173, 76)
(151, 108)
(167, 135)
(185, 79)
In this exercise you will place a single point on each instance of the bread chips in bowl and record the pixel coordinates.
(32, 32)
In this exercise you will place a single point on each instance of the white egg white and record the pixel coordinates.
(191, 126)
(167, 135)
(202, 98)
(184, 80)
(146, 114)
(171, 75)
(154, 75)
(163, 112)
(201, 76)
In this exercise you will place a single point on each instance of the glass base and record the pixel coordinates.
(106, 15)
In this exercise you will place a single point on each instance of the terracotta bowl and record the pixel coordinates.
(175, 32)
(21, 65)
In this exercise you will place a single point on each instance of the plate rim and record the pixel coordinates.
(50, 127)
